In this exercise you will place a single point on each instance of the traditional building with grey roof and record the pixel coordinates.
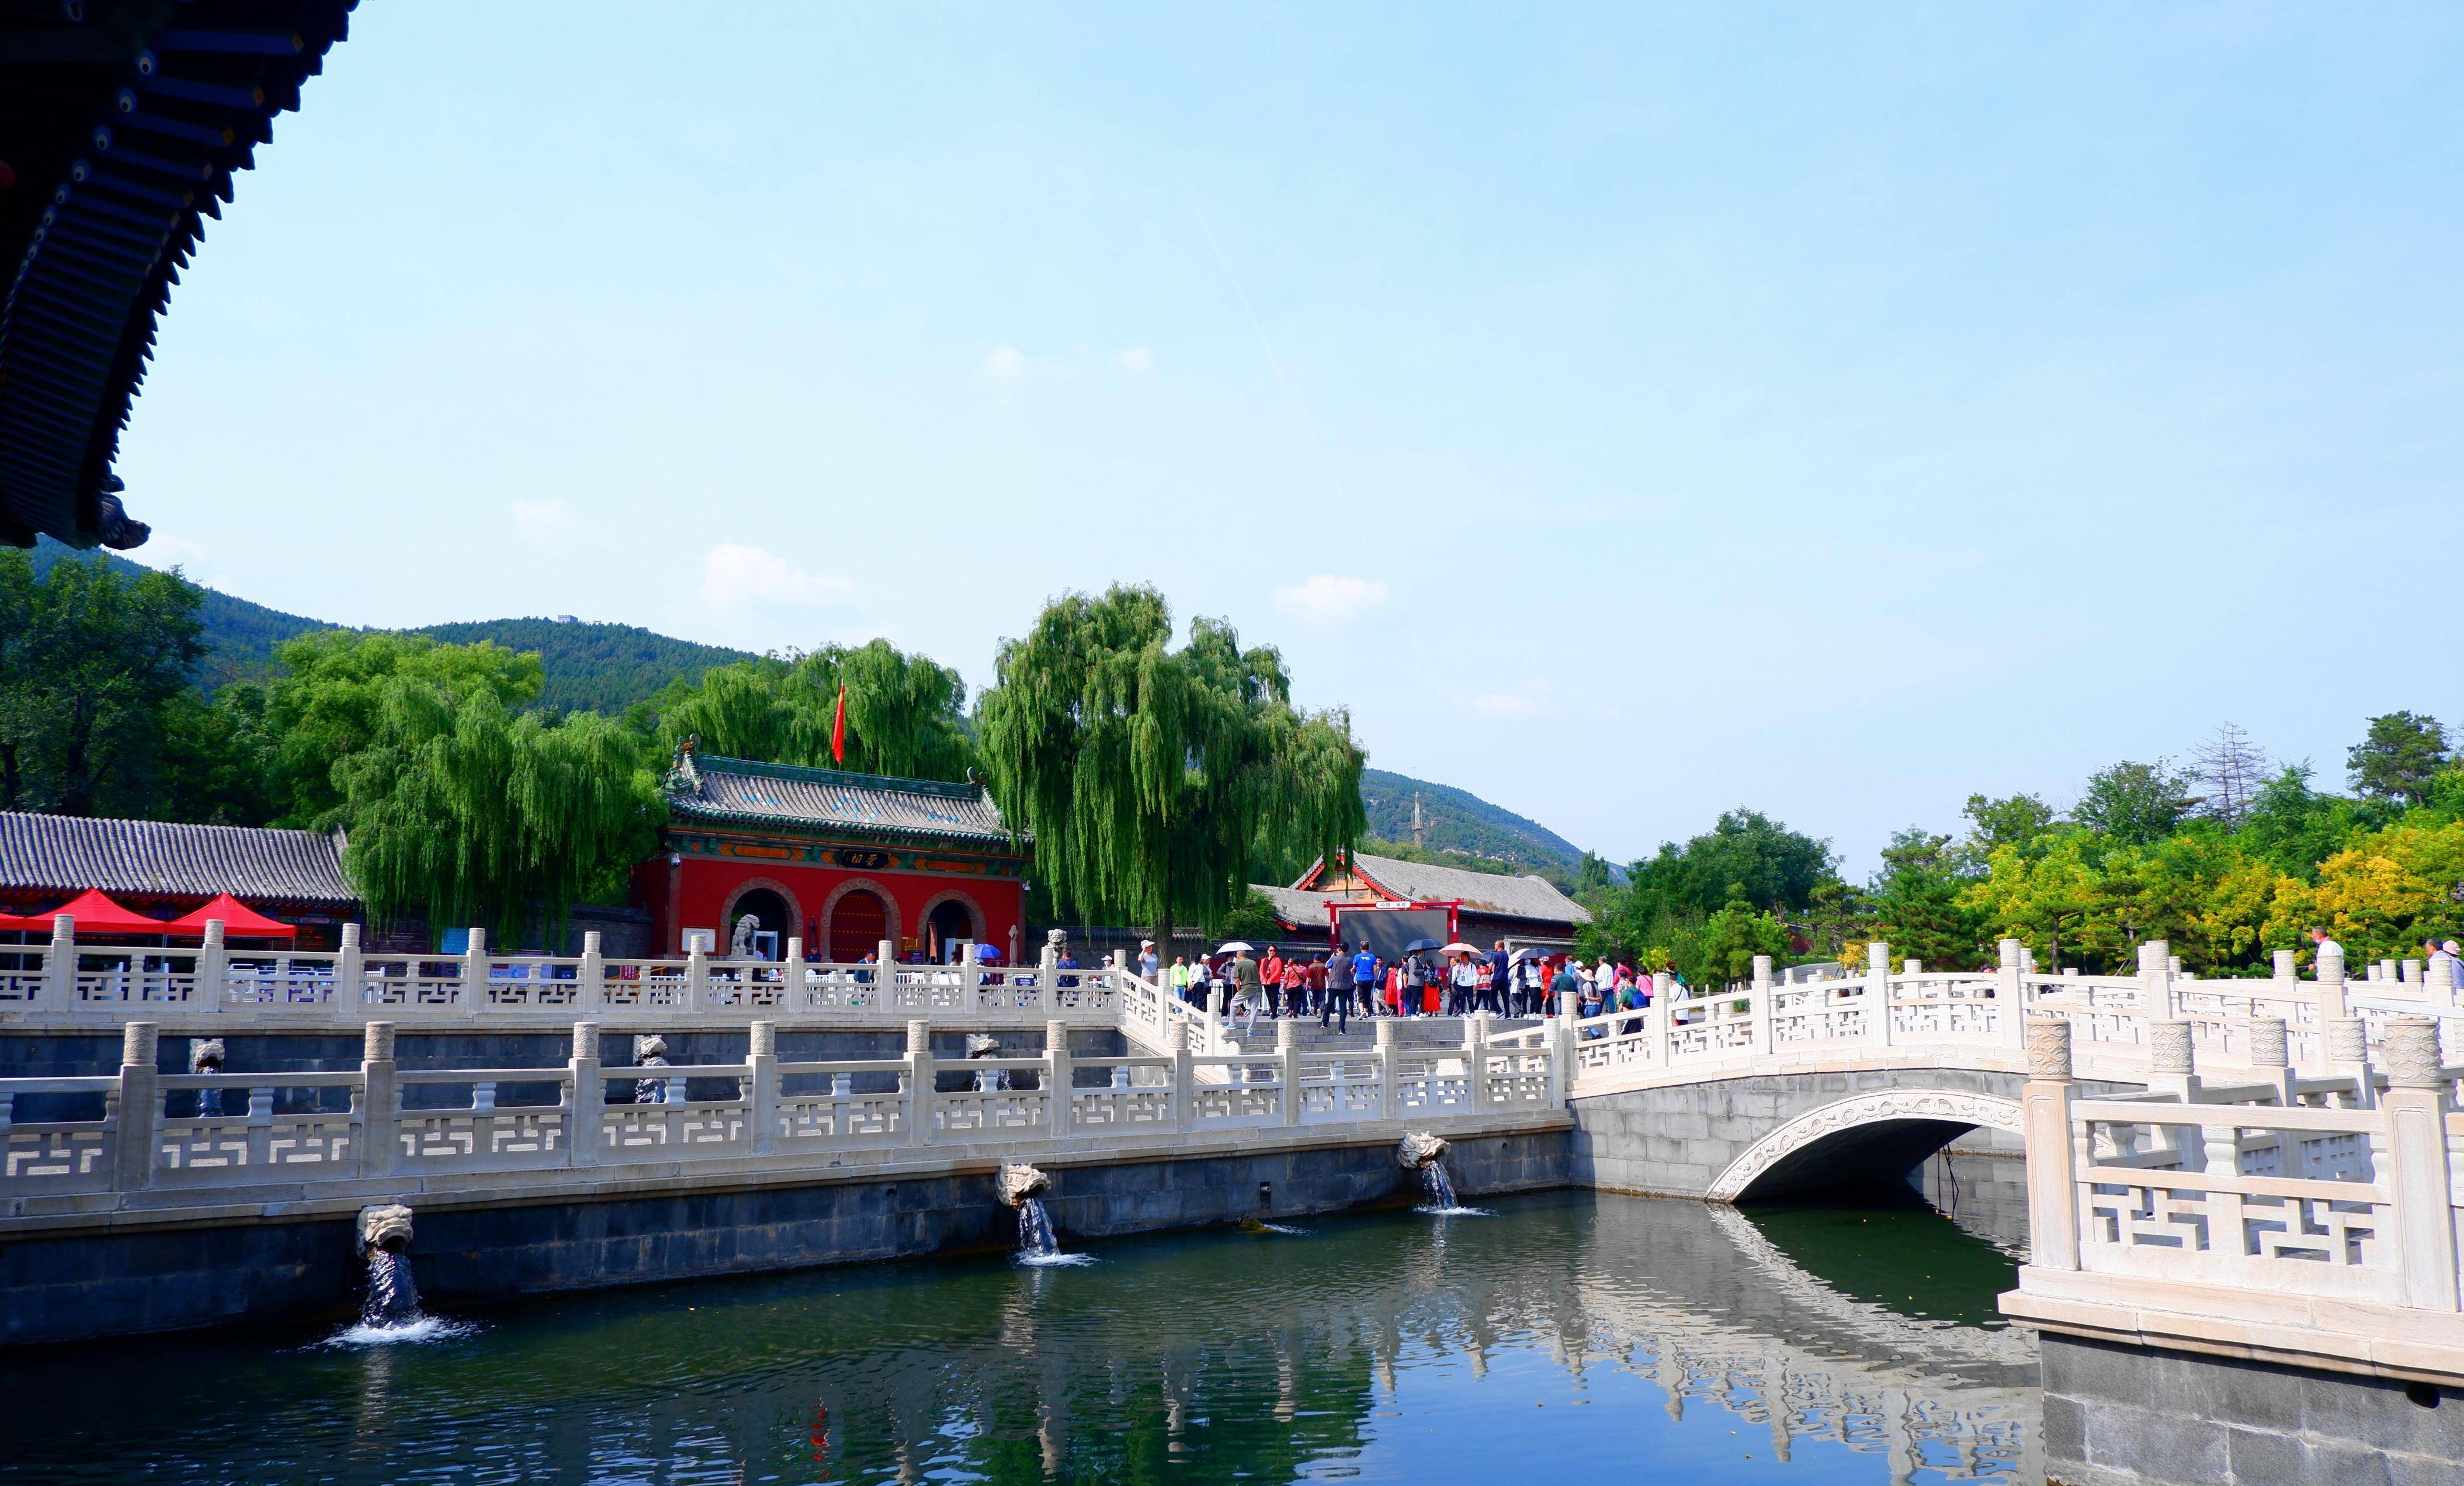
(164, 868)
(1489, 906)
(841, 861)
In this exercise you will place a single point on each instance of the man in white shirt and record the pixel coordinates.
(2323, 946)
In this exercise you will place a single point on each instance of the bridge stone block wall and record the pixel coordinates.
(1776, 1133)
(2118, 1415)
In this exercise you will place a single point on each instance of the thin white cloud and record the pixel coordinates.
(732, 576)
(1004, 364)
(1327, 599)
(545, 523)
(1510, 707)
(1137, 361)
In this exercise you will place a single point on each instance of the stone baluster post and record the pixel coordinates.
(696, 977)
(2386, 973)
(2010, 994)
(1476, 1062)
(1060, 1076)
(1184, 1105)
(2045, 1121)
(2416, 1165)
(2171, 1060)
(2348, 1056)
(474, 972)
(260, 1126)
(590, 990)
(1877, 994)
(2413, 972)
(886, 994)
(350, 970)
(207, 994)
(379, 1135)
(60, 964)
(2438, 986)
(1047, 973)
(2156, 982)
(920, 1102)
(2284, 989)
(2271, 1058)
(1386, 1105)
(1763, 1007)
(761, 1085)
(136, 1105)
(1287, 1067)
(2330, 988)
(1561, 1051)
(588, 1089)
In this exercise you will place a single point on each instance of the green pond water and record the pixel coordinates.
(1567, 1336)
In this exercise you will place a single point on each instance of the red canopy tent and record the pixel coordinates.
(12, 923)
(95, 914)
(239, 922)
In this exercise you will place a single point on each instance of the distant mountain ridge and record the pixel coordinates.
(1458, 821)
(608, 667)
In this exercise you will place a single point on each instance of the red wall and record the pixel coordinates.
(704, 887)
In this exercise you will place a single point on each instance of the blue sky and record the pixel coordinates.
(1628, 412)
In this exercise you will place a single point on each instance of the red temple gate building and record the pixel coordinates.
(843, 861)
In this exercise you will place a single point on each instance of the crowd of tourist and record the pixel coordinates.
(1338, 984)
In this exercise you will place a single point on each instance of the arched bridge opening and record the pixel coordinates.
(1866, 1140)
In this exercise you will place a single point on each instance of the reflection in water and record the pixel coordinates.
(1572, 1332)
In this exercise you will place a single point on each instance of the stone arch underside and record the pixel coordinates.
(1883, 1132)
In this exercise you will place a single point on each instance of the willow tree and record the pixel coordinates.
(486, 817)
(904, 713)
(1150, 775)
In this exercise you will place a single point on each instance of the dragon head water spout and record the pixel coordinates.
(1018, 1182)
(385, 1227)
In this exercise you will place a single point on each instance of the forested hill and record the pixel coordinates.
(607, 667)
(590, 666)
(1458, 821)
(242, 634)
(594, 667)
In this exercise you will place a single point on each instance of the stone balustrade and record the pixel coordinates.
(1977, 1017)
(62, 984)
(379, 1123)
(2297, 1218)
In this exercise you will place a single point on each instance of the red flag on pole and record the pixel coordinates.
(838, 730)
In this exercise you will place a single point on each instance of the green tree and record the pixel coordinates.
(1746, 854)
(330, 704)
(2020, 820)
(1251, 919)
(216, 759)
(483, 817)
(1149, 775)
(2294, 828)
(905, 713)
(1917, 903)
(2399, 757)
(1724, 947)
(91, 666)
(2133, 804)
(1592, 875)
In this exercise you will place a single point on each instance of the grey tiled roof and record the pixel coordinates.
(1297, 908)
(1515, 897)
(69, 854)
(718, 790)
